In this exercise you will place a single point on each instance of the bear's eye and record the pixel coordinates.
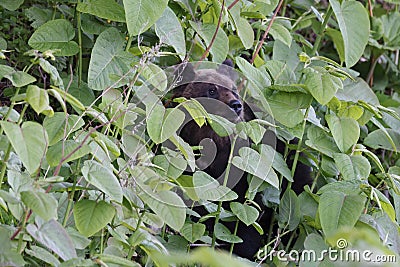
(212, 91)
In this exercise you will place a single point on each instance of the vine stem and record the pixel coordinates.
(228, 168)
(80, 56)
(266, 31)
(322, 30)
(215, 33)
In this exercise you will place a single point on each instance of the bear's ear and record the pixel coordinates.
(226, 68)
(184, 73)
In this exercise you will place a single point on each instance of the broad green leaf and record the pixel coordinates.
(257, 76)
(19, 78)
(142, 14)
(163, 123)
(354, 24)
(52, 235)
(352, 167)
(321, 84)
(319, 140)
(38, 98)
(253, 130)
(108, 58)
(55, 34)
(56, 128)
(223, 233)
(166, 204)
(193, 231)
(345, 131)
(337, 39)
(289, 210)
(43, 204)
(91, 216)
(8, 252)
(279, 71)
(287, 107)
(251, 161)
(60, 150)
(220, 47)
(69, 98)
(173, 166)
(278, 163)
(379, 140)
(11, 5)
(337, 210)
(391, 30)
(106, 9)
(42, 254)
(243, 27)
(54, 75)
(113, 260)
(280, 32)
(103, 178)
(155, 76)
(5, 70)
(29, 147)
(245, 213)
(207, 188)
(169, 30)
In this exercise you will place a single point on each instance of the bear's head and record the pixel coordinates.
(218, 84)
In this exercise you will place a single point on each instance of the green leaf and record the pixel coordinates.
(54, 75)
(193, 231)
(169, 30)
(56, 128)
(43, 204)
(207, 188)
(11, 5)
(39, 100)
(253, 130)
(91, 216)
(319, 140)
(379, 140)
(52, 235)
(108, 58)
(337, 39)
(155, 76)
(106, 9)
(321, 84)
(243, 27)
(280, 32)
(287, 107)
(337, 209)
(223, 233)
(42, 254)
(19, 78)
(219, 49)
(29, 147)
(166, 204)
(251, 161)
(354, 24)
(103, 178)
(289, 210)
(391, 30)
(142, 14)
(112, 260)
(245, 213)
(57, 152)
(163, 123)
(55, 34)
(352, 167)
(345, 131)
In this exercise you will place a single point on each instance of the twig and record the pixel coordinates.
(266, 31)
(215, 33)
(233, 4)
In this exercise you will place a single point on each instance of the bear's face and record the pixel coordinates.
(213, 84)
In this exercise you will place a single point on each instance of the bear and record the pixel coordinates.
(216, 89)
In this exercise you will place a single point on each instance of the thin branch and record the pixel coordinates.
(266, 31)
(233, 4)
(215, 33)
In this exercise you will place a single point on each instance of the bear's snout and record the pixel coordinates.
(236, 106)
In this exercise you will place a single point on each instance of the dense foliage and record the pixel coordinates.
(86, 181)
